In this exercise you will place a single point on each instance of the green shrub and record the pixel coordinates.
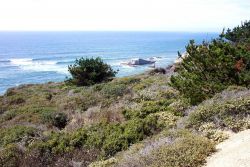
(89, 71)
(179, 107)
(114, 90)
(80, 101)
(58, 119)
(231, 114)
(7, 116)
(48, 96)
(209, 68)
(167, 119)
(187, 151)
(239, 34)
(10, 156)
(129, 80)
(104, 163)
(15, 134)
(114, 140)
(171, 148)
(46, 115)
(55, 143)
(148, 107)
(121, 137)
(158, 71)
(210, 131)
(16, 100)
(108, 138)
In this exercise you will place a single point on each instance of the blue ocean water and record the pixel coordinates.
(38, 57)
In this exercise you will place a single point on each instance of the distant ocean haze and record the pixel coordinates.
(38, 57)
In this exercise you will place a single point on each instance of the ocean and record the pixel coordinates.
(39, 57)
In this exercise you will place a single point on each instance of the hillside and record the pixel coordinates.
(172, 119)
(104, 119)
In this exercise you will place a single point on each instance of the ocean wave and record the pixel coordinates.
(65, 62)
(59, 65)
(22, 61)
(29, 64)
(4, 61)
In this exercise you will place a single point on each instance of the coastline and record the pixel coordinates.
(38, 58)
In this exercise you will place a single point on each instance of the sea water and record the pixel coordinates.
(39, 57)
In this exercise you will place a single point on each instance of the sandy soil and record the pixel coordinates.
(234, 152)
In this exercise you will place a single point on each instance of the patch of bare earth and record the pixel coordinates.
(234, 152)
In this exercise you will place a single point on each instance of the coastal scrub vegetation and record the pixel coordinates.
(88, 71)
(159, 118)
(211, 67)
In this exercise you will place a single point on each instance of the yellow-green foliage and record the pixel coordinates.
(186, 151)
(135, 119)
(231, 110)
(111, 118)
(210, 131)
(9, 156)
(167, 119)
(109, 138)
(148, 107)
(15, 134)
(176, 148)
(104, 163)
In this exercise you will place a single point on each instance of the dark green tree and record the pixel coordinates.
(211, 67)
(239, 34)
(89, 71)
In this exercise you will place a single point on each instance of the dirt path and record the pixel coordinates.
(234, 152)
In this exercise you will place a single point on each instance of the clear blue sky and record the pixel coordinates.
(128, 15)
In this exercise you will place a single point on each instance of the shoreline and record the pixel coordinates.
(168, 69)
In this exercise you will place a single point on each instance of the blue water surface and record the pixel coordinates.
(38, 57)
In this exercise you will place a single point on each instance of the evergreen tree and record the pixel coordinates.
(211, 67)
(89, 71)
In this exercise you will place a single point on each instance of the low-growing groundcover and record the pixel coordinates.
(190, 150)
(229, 110)
(168, 149)
(15, 134)
(10, 156)
(109, 138)
(84, 120)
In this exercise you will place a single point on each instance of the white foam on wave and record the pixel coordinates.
(115, 63)
(20, 62)
(31, 65)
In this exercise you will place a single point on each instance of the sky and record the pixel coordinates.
(122, 15)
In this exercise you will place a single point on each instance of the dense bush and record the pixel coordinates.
(114, 90)
(172, 148)
(210, 68)
(239, 34)
(15, 134)
(229, 112)
(58, 119)
(148, 107)
(186, 151)
(158, 71)
(109, 138)
(16, 100)
(88, 71)
(10, 156)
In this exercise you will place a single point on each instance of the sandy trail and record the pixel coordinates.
(234, 152)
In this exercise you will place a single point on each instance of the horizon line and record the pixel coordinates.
(170, 31)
